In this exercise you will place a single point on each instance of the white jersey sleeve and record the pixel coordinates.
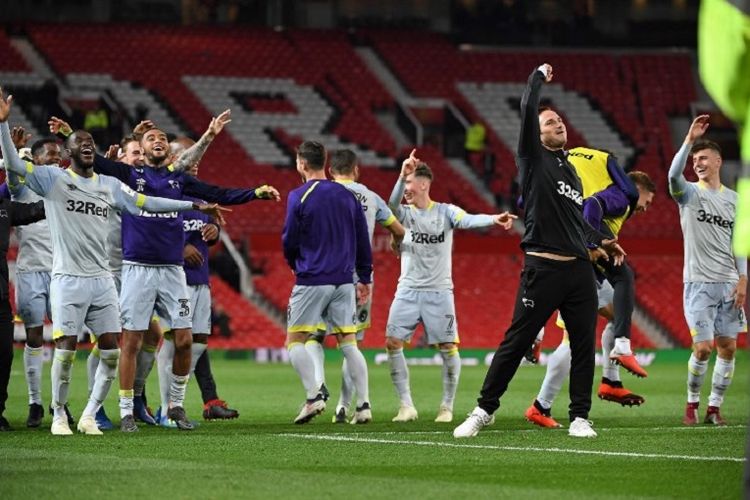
(124, 198)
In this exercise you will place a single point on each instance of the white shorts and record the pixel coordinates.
(200, 303)
(363, 321)
(436, 310)
(334, 304)
(32, 297)
(78, 301)
(709, 311)
(146, 289)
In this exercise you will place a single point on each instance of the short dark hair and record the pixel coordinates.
(37, 147)
(343, 161)
(642, 179)
(128, 139)
(423, 170)
(705, 144)
(313, 153)
(542, 109)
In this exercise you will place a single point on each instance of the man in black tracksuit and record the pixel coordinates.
(557, 272)
(11, 214)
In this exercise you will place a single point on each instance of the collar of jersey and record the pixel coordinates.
(704, 185)
(73, 174)
(344, 181)
(429, 207)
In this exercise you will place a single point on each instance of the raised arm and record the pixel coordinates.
(677, 183)
(408, 166)
(529, 144)
(13, 162)
(194, 153)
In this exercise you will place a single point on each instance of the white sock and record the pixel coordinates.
(347, 386)
(622, 345)
(696, 373)
(62, 365)
(92, 363)
(144, 363)
(105, 374)
(164, 366)
(610, 370)
(177, 390)
(317, 356)
(558, 369)
(303, 365)
(358, 369)
(32, 363)
(722, 377)
(126, 402)
(451, 374)
(400, 376)
(196, 351)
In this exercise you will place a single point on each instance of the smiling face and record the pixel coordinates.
(552, 131)
(706, 164)
(417, 188)
(49, 154)
(155, 147)
(645, 199)
(133, 154)
(81, 149)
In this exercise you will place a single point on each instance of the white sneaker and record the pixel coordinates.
(406, 414)
(87, 425)
(445, 414)
(477, 419)
(581, 428)
(310, 411)
(362, 415)
(60, 427)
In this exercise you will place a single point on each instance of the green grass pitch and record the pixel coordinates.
(640, 452)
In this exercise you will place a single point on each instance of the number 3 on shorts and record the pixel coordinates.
(184, 307)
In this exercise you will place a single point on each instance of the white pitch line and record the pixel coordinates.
(539, 429)
(341, 438)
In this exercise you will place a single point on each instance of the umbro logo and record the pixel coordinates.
(72, 187)
(527, 303)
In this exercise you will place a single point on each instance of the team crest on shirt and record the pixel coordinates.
(140, 184)
(174, 184)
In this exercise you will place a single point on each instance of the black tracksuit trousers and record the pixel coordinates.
(548, 285)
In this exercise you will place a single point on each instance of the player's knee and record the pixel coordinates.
(183, 340)
(34, 337)
(447, 346)
(702, 351)
(393, 344)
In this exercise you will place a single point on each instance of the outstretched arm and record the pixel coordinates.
(194, 153)
(227, 196)
(26, 213)
(127, 199)
(460, 219)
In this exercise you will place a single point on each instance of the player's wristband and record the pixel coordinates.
(259, 193)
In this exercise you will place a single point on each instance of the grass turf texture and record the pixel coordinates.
(264, 455)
